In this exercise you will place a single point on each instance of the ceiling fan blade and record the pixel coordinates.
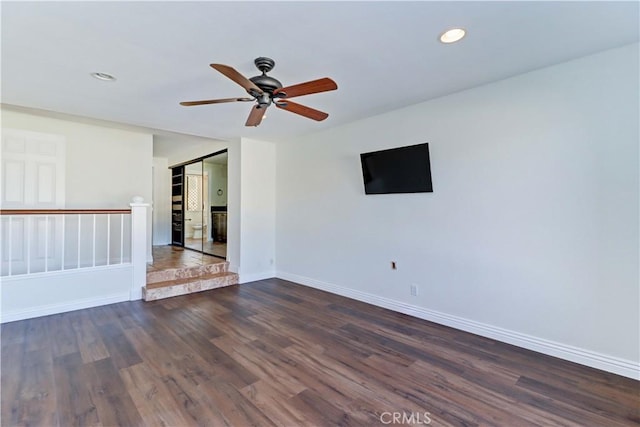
(314, 86)
(302, 110)
(234, 75)
(255, 116)
(214, 101)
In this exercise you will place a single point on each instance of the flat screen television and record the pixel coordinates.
(397, 170)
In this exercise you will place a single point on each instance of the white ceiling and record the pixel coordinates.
(383, 55)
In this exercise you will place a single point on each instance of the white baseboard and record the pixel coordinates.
(589, 358)
(246, 278)
(45, 310)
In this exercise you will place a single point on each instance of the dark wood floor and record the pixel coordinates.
(276, 353)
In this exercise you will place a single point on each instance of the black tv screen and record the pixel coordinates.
(397, 170)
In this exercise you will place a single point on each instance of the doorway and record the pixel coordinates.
(203, 207)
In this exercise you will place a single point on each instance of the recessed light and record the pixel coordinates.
(103, 76)
(453, 35)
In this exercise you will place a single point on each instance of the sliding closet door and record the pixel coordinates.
(196, 198)
(216, 169)
(200, 205)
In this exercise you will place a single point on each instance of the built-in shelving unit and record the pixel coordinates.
(177, 205)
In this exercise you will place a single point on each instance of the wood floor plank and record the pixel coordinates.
(272, 324)
(120, 349)
(122, 315)
(234, 329)
(89, 342)
(171, 382)
(62, 336)
(37, 335)
(179, 378)
(319, 411)
(293, 310)
(263, 367)
(316, 296)
(108, 393)
(274, 405)
(585, 401)
(11, 373)
(234, 407)
(74, 404)
(222, 365)
(273, 352)
(152, 398)
(344, 387)
(312, 334)
(14, 333)
(191, 321)
(34, 397)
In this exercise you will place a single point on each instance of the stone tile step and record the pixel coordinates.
(186, 272)
(172, 288)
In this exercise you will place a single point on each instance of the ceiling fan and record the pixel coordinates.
(266, 90)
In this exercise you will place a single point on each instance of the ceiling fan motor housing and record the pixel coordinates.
(266, 83)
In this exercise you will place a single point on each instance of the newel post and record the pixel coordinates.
(138, 246)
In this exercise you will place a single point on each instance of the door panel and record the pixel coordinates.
(33, 177)
(33, 170)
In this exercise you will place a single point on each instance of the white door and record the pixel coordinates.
(32, 176)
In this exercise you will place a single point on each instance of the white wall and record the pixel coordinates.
(195, 152)
(105, 167)
(257, 209)
(233, 205)
(531, 233)
(161, 201)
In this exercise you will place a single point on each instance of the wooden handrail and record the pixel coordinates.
(62, 211)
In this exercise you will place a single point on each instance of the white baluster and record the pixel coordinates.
(46, 243)
(64, 217)
(79, 231)
(121, 238)
(28, 223)
(10, 240)
(93, 248)
(108, 236)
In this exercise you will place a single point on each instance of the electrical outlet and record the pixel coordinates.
(414, 290)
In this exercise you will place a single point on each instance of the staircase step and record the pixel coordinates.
(188, 285)
(186, 272)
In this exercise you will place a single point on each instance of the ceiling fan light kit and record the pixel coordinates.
(266, 90)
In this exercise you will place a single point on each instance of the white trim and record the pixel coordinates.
(232, 267)
(66, 272)
(626, 368)
(246, 278)
(45, 310)
(139, 247)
